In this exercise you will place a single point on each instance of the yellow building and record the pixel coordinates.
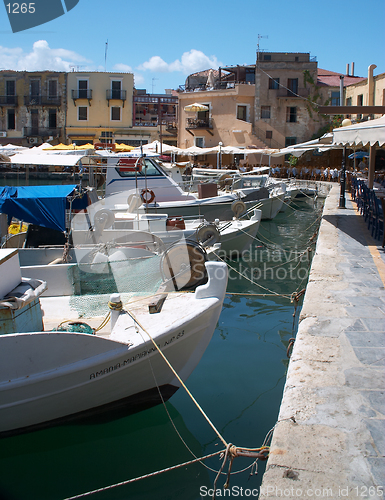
(369, 91)
(99, 107)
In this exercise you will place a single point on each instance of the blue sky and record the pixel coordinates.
(162, 42)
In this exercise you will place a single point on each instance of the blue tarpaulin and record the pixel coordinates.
(41, 205)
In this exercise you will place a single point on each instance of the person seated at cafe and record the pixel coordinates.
(362, 165)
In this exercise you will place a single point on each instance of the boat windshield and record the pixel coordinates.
(146, 167)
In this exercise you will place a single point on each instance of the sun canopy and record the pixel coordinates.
(41, 205)
(371, 132)
(62, 160)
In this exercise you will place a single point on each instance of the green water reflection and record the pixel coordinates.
(239, 384)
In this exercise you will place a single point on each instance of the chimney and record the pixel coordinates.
(347, 69)
(352, 69)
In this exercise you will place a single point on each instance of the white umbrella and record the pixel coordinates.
(196, 107)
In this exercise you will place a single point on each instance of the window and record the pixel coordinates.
(149, 169)
(349, 101)
(265, 112)
(10, 91)
(291, 114)
(267, 57)
(292, 85)
(115, 113)
(290, 141)
(335, 99)
(34, 88)
(105, 134)
(360, 100)
(250, 75)
(83, 89)
(52, 118)
(274, 83)
(200, 142)
(82, 113)
(11, 119)
(242, 112)
(269, 134)
(204, 115)
(52, 89)
(116, 87)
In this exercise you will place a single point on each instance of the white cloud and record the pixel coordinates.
(123, 68)
(41, 58)
(155, 63)
(190, 62)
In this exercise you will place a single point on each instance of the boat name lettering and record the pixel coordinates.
(178, 336)
(137, 356)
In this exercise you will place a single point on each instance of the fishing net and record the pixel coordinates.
(94, 283)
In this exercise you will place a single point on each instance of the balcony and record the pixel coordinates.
(42, 100)
(8, 100)
(290, 94)
(81, 94)
(120, 95)
(41, 132)
(203, 123)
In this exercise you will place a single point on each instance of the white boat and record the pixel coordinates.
(161, 194)
(53, 370)
(112, 224)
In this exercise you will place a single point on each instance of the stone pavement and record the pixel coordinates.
(330, 438)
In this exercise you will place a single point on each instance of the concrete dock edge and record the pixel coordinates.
(329, 441)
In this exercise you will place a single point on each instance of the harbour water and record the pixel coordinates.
(238, 383)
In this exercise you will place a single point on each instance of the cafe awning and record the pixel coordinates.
(370, 132)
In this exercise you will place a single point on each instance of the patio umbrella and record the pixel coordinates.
(359, 154)
(196, 107)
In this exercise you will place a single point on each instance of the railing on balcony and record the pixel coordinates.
(293, 94)
(193, 123)
(32, 100)
(41, 132)
(8, 100)
(120, 95)
(81, 94)
(42, 100)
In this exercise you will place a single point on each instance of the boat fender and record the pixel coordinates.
(133, 202)
(147, 195)
(238, 207)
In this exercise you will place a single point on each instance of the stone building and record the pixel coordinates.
(32, 107)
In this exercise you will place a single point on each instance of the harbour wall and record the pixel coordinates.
(329, 441)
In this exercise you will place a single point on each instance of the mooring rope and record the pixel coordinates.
(145, 476)
(179, 379)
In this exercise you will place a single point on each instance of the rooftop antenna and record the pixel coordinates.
(259, 37)
(105, 56)
(153, 85)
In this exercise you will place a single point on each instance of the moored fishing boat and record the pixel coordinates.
(61, 358)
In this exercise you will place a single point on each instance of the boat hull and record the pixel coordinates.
(47, 377)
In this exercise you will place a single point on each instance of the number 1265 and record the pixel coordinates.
(21, 8)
